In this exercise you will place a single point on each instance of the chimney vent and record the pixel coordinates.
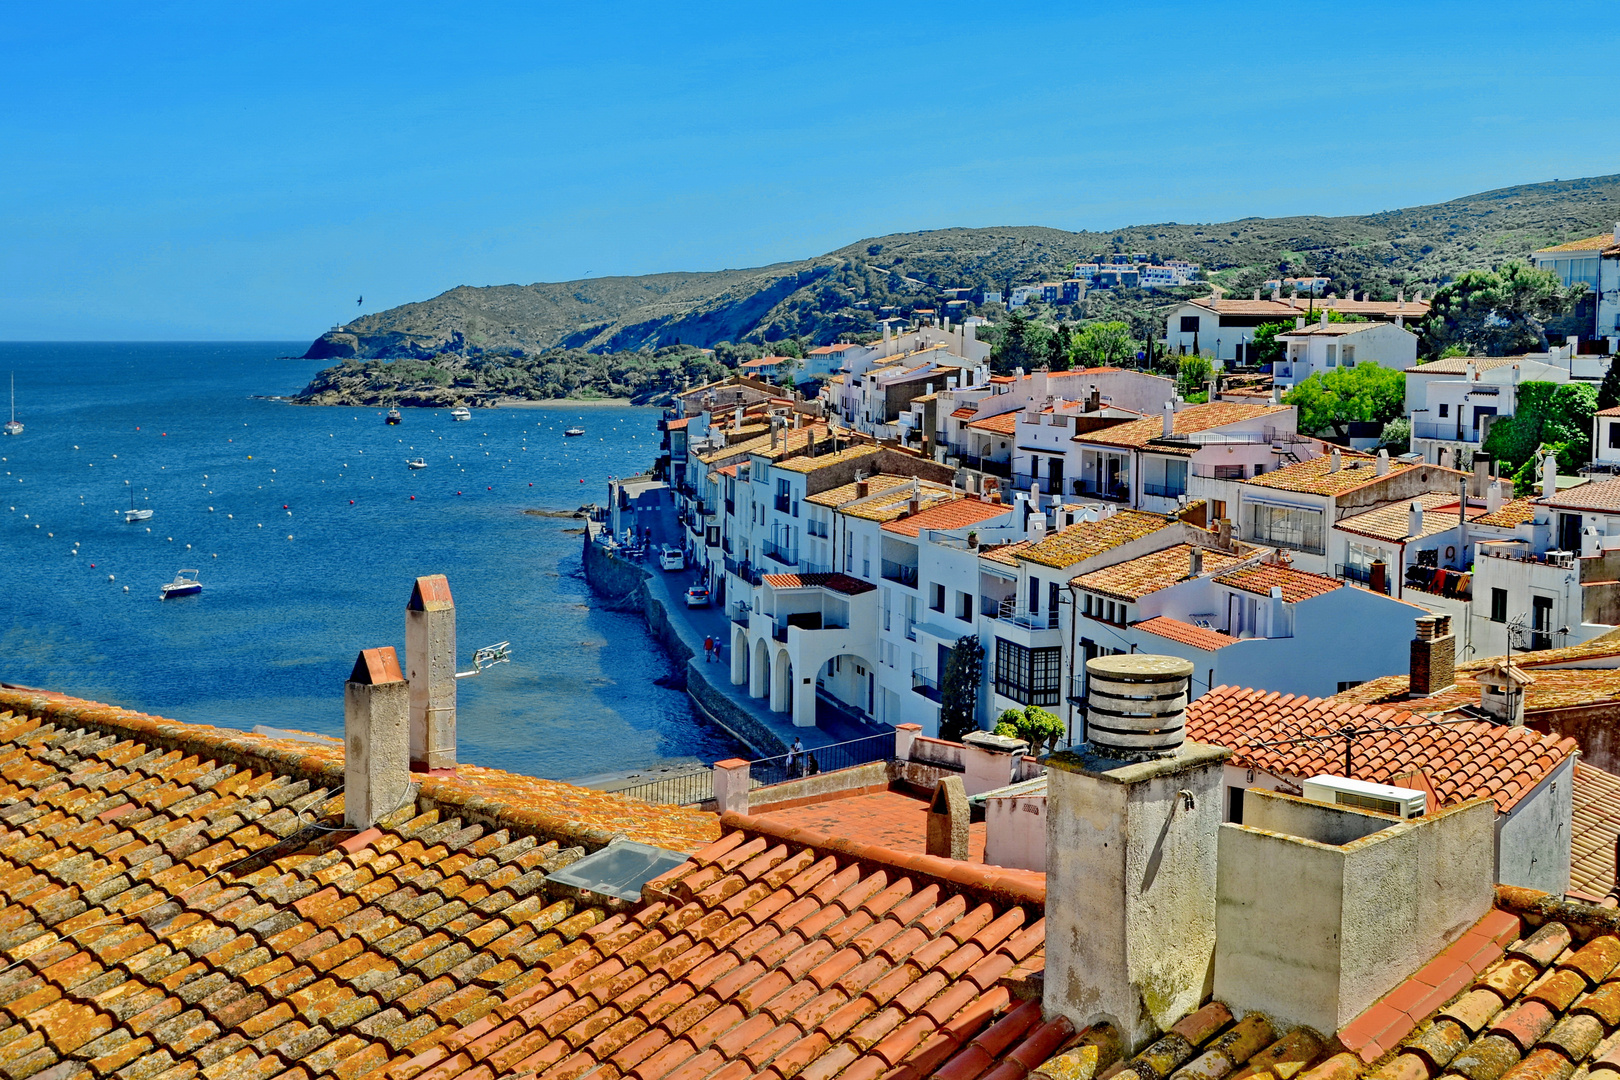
(1137, 704)
(1414, 520)
(1335, 461)
(376, 739)
(1195, 562)
(1169, 419)
(1382, 468)
(430, 654)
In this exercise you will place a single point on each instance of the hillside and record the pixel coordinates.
(821, 297)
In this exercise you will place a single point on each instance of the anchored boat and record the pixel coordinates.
(461, 412)
(418, 463)
(393, 417)
(12, 427)
(181, 585)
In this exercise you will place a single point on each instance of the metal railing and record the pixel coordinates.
(739, 613)
(1120, 492)
(1165, 491)
(925, 686)
(1361, 575)
(904, 574)
(1447, 432)
(829, 758)
(682, 789)
(1011, 611)
(780, 552)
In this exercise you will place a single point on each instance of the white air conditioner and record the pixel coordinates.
(1364, 795)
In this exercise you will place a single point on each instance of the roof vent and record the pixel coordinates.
(1137, 704)
(618, 870)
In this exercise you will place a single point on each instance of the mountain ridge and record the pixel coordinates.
(842, 291)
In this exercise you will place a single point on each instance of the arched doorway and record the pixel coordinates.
(782, 683)
(759, 671)
(848, 681)
(739, 656)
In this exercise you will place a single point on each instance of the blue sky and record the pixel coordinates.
(247, 170)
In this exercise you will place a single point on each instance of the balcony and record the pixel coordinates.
(739, 612)
(1361, 575)
(985, 465)
(1116, 491)
(779, 552)
(900, 572)
(1452, 432)
(928, 688)
(1010, 611)
(1165, 491)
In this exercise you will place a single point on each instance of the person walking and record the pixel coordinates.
(793, 754)
(708, 649)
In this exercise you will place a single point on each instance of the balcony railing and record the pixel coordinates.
(1165, 491)
(1361, 575)
(994, 468)
(808, 567)
(1449, 432)
(925, 686)
(844, 755)
(780, 552)
(1119, 491)
(1012, 612)
(904, 574)
(739, 613)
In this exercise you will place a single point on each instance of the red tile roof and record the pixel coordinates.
(1603, 495)
(1000, 424)
(781, 952)
(1296, 585)
(1463, 760)
(677, 425)
(964, 413)
(1594, 830)
(1145, 574)
(1592, 243)
(1189, 421)
(1615, 411)
(1514, 512)
(1186, 633)
(836, 582)
(956, 514)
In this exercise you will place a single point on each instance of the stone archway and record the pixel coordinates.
(782, 683)
(739, 656)
(759, 670)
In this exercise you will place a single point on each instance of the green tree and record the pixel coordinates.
(1103, 344)
(1192, 375)
(1057, 349)
(1396, 436)
(1497, 312)
(1548, 415)
(959, 689)
(1608, 395)
(1265, 348)
(1333, 400)
(1020, 343)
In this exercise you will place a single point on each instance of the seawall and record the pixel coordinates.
(622, 586)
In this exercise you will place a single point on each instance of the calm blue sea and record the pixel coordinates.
(308, 531)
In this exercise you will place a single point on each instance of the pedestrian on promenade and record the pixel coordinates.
(708, 649)
(793, 754)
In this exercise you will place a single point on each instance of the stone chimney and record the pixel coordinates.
(1482, 477)
(1493, 497)
(1133, 818)
(1382, 468)
(1094, 400)
(376, 739)
(1502, 689)
(1195, 562)
(430, 655)
(1549, 476)
(1223, 534)
(1414, 520)
(1434, 656)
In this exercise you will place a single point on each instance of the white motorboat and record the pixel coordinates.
(574, 431)
(461, 412)
(418, 463)
(132, 514)
(181, 585)
(12, 427)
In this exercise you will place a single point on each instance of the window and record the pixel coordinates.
(1499, 605)
(1286, 526)
(936, 593)
(1541, 622)
(1332, 356)
(1614, 436)
(1189, 324)
(1234, 805)
(1444, 410)
(1028, 676)
(1228, 472)
(1217, 510)
(964, 606)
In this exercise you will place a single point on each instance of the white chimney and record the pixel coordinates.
(430, 655)
(1035, 526)
(1279, 613)
(1400, 296)
(1299, 322)
(1472, 372)
(376, 739)
(1133, 817)
(1382, 468)
(1169, 418)
(1414, 524)
(1321, 320)
(1549, 476)
(1334, 461)
(1493, 497)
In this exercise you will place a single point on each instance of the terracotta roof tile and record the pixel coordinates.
(1316, 476)
(1001, 424)
(842, 583)
(1463, 760)
(1592, 243)
(957, 514)
(1186, 633)
(1512, 513)
(1188, 421)
(838, 496)
(1136, 578)
(1296, 585)
(1393, 521)
(1601, 495)
(1087, 539)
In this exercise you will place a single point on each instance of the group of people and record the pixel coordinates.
(711, 649)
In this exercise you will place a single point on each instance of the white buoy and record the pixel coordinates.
(111, 578)
(126, 588)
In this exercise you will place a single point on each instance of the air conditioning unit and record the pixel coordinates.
(1364, 795)
(1561, 558)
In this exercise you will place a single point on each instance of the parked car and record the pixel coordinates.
(697, 596)
(672, 559)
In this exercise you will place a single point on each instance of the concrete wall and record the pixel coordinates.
(1130, 919)
(1533, 842)
(1015, 831)
(1355, 918)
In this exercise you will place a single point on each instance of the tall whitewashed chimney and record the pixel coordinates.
(1279, 613)
(1169, 418)
(430, 657)
(1335, 461)
(376, 739)
(1414, 519)
(1549, 476)
(1133, 817)
(1382, 468)
(1493, 497)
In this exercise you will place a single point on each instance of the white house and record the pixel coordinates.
(1595, 261)
(1223, 328)
(1326, 346)
(1452, 403)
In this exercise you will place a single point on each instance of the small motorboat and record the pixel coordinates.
(13, 426)
(132, 515)
(574, 431)
(418, 463)
(181, 585)
(393, 417)
(461, 412)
